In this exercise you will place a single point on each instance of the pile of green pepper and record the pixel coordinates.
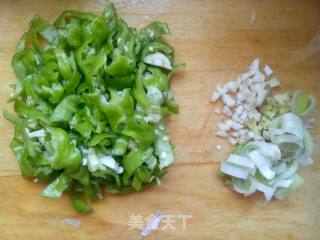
(89, 102)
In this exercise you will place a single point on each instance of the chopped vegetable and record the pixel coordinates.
(303, 103)
(153, 224)
(241, 98)
(263, 166)
(90, 101)
(273, 137)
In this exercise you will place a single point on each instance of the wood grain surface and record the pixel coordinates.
(217, 41)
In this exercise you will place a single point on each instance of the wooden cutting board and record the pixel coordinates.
(217, 40)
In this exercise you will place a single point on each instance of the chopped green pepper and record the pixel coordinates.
(88, 106)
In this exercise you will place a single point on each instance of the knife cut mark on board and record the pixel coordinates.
(307, 51)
